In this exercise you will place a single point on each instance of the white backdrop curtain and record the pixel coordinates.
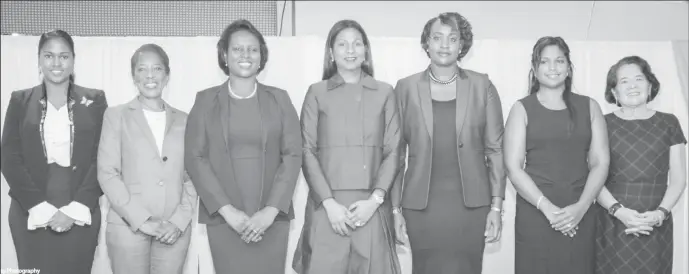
(296, 62)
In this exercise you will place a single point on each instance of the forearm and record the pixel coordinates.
(674, 191)
(594, 182)
(605, 198)
(524, 185)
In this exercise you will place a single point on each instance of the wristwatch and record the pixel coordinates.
(379, 199)
(665, 212)
(613, 208)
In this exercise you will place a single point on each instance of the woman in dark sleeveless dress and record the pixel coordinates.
(563, 139)
(634, 234)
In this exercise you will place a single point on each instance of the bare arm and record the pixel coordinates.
(514, 146)
(598, 156)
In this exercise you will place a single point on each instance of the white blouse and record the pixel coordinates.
(57, 136)
(156, 121)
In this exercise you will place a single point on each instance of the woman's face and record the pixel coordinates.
(243, 57)
(553, 68)
(632, 88)
(150, 75)
(444, 44)
(56, 61)
(348, 50)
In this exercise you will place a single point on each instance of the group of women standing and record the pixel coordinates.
(422, 163)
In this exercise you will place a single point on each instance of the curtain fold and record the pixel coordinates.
(296, 62)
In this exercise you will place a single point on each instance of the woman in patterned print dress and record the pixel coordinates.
(646, 147)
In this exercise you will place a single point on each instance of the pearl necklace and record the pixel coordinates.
(240, 97)
(452, 79)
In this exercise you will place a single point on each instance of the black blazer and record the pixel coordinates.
(24, 162)
(208, 161)
(479, 140)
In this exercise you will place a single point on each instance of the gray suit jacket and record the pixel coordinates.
(138, 181)
(479, 140)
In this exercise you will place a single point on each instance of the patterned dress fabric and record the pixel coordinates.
(638, 179)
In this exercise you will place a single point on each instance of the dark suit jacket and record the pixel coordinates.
(479, 140)
(208, 160)
(24, 162)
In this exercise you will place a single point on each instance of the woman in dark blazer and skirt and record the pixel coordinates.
(49, 150)
(243, 153)
(453, 189)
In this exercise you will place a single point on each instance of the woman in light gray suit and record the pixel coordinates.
(141, 171)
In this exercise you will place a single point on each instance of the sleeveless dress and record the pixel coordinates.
(638, 179)
(556, 160)
(446, 237)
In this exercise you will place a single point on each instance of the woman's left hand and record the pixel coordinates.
(655, 217)
(60, 222)
(259, 223)
(169, 233)
(362, 211)
(569, 217)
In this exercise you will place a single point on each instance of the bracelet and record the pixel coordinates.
(538, 204)
(396, 210)
(665, 212)
(613, 208)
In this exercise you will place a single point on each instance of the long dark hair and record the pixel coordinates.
(58, 34)
(534, 85)
(330, 68)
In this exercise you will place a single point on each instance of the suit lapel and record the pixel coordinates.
(424, 88)
(463, 98)
(139, 118)
(170, 116)
(264, 109)
(224, 103)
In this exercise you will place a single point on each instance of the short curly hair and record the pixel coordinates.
(224, 43)
(457, 22)
(645, 69)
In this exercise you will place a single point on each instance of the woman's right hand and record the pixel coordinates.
(634, 221)
(339, 217)
(237, 219)
(401, 236)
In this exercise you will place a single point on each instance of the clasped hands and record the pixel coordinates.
(565, 220)
(639, 223)
(251, 228)
(354, 216)
(60, 222)
(163, 231)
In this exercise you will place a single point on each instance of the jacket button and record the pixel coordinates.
(461, 145)
(160, 183)
(164, 158)
(74, 168)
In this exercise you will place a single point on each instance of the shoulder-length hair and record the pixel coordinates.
(224, 43)
(329, 67)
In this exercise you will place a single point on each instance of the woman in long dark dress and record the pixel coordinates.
(634, 233)
(243, 154)
(49, 153)
(451, 200)
(563, 139)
